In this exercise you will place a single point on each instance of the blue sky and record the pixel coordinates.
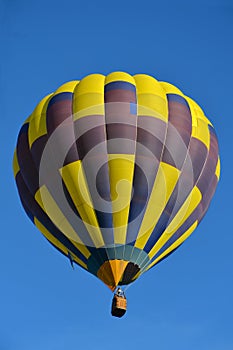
(186, 301)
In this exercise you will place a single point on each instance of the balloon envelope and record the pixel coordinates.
(116, 172)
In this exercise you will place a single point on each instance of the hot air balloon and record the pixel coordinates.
(116, 172)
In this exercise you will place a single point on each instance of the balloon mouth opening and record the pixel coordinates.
(118, 273)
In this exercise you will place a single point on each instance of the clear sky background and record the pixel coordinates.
(186, 301)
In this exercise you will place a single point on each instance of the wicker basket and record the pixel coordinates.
(119, 306)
